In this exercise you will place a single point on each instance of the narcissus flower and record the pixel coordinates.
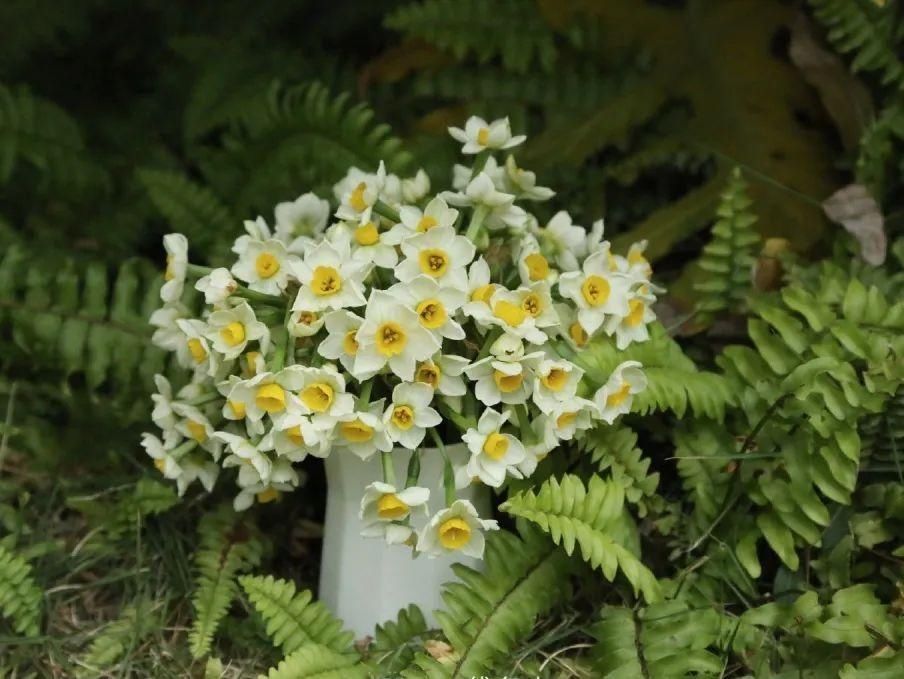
(435, 305)
(358, 193)
(439, 254)
(230, 330)
(305, 217)
(341, 341)
(391, 335)
(217, 286)
(493, 453)
(555, 383)
(414, 221)
(384, 509)
(596, 291)
(616, 396)
(409, 414)
(442, 372)
(330, 279)
(176, 246)
(479, 135)
(264, 264)
(363, 433)
(457, 528)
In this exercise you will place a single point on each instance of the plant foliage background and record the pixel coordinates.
(747, 518)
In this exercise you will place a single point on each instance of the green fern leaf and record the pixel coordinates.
(729, 257)
(868, 31)
(192, 210)
(20, 596)
(615, 449)
(318, 662)
(657, 642)
(227, 547)
(36, 131)
(294, 620)
(69, 319)
(488, 612)
(137, 621)
(395, 641)
(593, 518)
(482, 29)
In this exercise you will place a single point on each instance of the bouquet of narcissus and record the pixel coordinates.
(410, 320)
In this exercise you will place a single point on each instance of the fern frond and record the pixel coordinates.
(304, 136)
(41, 134)
(877, 156)
(137, 620)
(729, 257)
(489, 611)
(395, 641)
(657, 642)
(592, 517)
(191, 209)
(227, 548)
(481, 29)
(20, 596)
(673, 380)
(318, 662)
(294, 620)
(866, 30)
(69, 319)
(614, 448)
(122, 513)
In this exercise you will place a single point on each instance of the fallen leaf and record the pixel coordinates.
(440, 650)
(845, 98)
(858, 212)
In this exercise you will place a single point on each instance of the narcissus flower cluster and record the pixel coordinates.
(411, 321)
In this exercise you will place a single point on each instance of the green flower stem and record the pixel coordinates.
(527, 432)
(448, 472)
(197, 270)
(255, 296)
(204, 398)
(279, 352)
(388, 468)
(492, 336)
(364, 396)
(414, 469)
(480, 213)
(183, 449)
(289, 349)
(459, 420)
(386, 211)
(480, 162)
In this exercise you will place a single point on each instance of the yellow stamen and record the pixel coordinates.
(595, 290)
(555, 379)
(356, 431)
(636, 310)
(496, 446)
(537, 266)
(565, 420)
(509, 313)
(391, 339)
(268, 495)
(483, 136)
(266, 265)
(431, 313)
(532, 304)
(237, 408)
(578, 335)
(356, 200)
(434, 262)
(197, 350)
(251, 361)
(454, 533)
(507, 383)
(349, 343)
(306, 318)
(390, 507)
(233, 334)
(403, 417)
(426, 223)
(160, 463)
(270, 398)
(616, 398)
(326, 281)
(318, 397)
(428, 373)
(169, 274)
(196, 430)
(295, 435)
(483, 293)
(367, 234)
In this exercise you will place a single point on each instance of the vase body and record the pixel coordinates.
(364, 581)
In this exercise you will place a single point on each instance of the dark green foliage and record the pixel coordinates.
(228, 546)
(729, 257)
(20, 596)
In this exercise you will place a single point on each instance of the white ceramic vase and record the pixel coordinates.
(364, 581)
